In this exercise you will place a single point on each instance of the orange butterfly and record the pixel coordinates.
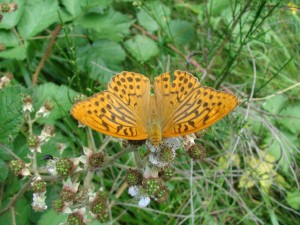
(127, 109)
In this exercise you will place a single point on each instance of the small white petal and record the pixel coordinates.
(173, 143)
(87, 151)
(133, 191)
(143, 202)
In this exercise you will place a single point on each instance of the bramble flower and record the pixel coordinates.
(38, 203)
(51, 166)
(19, 167)
(93, 160)
(27, 104)
(45, 110)
(69, 190)
(144, 202)
(5, 80)
(34, 144)
(188, 140)
(139, 193)
(163, 154)
(47, 133)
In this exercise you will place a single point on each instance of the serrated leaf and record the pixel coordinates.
(142, 48)
(18, 52)
(3, 170)
(38, 15)
(276, 104)
(11, 115)
(182, 32)
(291, 118)
(102, 59)
(154, 15)
(111, 25)
(59, 96)
(10, 20)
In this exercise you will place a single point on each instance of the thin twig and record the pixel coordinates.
(46, 55)
(277, 93)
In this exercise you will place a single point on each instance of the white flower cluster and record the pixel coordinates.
(157, 152)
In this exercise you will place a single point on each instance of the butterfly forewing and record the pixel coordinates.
(121, 111)
(191, 107)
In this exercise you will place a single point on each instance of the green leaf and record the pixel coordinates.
(11, 115)
(291, 118)
(102, 60)
(182, 32)
(111, 25)
(72, 6)
(8, 38)
(142, 48)
(21, 213)
(275, 148)
(293, 199)
(18, 52)
(38, 15)
(276, 104)
(154, 15)
(52, 218)
(59, 95)
(3, 170)
(10, 20)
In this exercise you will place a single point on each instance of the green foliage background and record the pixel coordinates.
(250, 48)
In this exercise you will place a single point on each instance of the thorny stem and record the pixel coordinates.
(17, 196)
(33, 157)
(118, 155)
(91, 141)
(106, 141)
(9, 151)
(88, 179)
(138, 160)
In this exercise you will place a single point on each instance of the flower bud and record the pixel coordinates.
(95, 160)
(38, 186)
(152, 185)
(166, 173)
(196, 152)
(76, 218)
(58, 205)
(17, 166)
(133, 177)
(65, 167)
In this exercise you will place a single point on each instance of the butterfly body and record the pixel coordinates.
(127, 109)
